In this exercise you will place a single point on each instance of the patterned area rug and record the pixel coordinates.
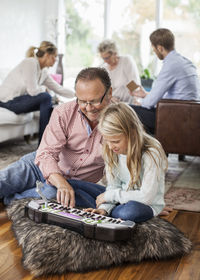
(12, 150)
(183, 184)
(183, 199)
(182, 178)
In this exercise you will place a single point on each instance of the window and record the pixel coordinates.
(182, 17)
(129, 23)
(84, 30)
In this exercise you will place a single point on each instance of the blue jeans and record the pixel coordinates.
(27, 103)
(133, 210)
(19, 177)
(18, 181)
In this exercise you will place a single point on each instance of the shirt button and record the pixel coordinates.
(81, 159)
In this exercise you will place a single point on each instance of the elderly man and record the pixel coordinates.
(70, 150)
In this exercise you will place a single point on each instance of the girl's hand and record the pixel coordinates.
(100, 199)
(97, 211)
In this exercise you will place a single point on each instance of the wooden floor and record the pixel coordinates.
(185, 268)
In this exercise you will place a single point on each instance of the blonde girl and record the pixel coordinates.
(135, 167)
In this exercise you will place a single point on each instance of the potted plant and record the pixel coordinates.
(146, 80)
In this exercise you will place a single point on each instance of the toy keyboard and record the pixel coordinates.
(88, 224)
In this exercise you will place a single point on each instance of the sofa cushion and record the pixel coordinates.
(9, 117)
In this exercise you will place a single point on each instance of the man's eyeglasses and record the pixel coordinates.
(83, 103)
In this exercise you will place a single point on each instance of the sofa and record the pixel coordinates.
(178, 126)
(14, 126)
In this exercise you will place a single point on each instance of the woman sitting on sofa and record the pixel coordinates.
(26, 88)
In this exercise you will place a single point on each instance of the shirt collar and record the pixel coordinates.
(88, 127)
(168, 56)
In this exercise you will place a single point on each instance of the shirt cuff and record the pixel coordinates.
(107, 207)
(109, 196)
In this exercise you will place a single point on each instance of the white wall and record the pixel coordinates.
(24, 23)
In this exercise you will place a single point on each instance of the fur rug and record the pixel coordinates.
(49, 249)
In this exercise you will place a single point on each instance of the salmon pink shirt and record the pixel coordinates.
(69, 146)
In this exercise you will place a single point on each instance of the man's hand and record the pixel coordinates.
(65, 192)
(66, 196)
(97, 211)
(136, 102)
(100, 199)
(139, 92)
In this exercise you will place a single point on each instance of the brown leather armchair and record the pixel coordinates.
(178, 126)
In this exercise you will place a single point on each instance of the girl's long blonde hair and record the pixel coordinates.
(121, 119)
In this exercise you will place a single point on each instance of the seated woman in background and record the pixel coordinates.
(26, 88)
(122, 71)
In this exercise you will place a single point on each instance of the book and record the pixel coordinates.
(132, 86)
